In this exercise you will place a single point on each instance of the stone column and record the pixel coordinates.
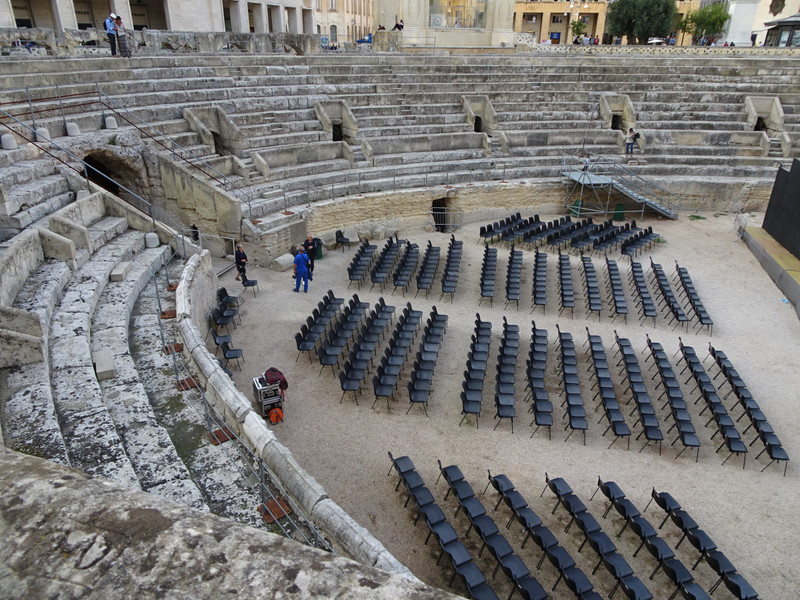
(239, 20)
(547, 18)
(7, 14)
(63, 15)
(500, 21)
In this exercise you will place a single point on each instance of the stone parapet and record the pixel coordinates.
(197, 285)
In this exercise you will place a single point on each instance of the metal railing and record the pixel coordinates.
(264, 484)
(106, 103)
(627, 181)
(33, 137)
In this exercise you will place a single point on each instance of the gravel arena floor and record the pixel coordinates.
(753, 516)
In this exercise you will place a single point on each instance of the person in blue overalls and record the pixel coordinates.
(301, 269)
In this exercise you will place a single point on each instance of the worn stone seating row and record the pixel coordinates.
(92, 441)
(147, 444)
(32, 190)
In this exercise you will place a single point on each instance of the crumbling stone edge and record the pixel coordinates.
(236, 409)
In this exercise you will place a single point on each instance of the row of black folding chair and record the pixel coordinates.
(575, 410)
(513, 276)
(616, 290)
(579, 236)
(563, 235)
(527, 585)
(594, 302)
(360, 263)
(643, 404)
(498, 228)
(539, 286)
(608, 556)
(731, 438)
(358, 362)
(565, 283)
(690, 293)
(427, 271)
(719, 563)
(758, 420)
(460, 558)
(316, 324)
(521, 229)
(669, 298)
(406, 266)
(605, 390)
(488, 274)
(655, 545)
(612, 237)
(641, 240)
(536, 363)
(223, 315)
(337, 327)
(505, 378)
(384, 263)
(647, 308)
(674, 398)
(542, 230)
(421, 376)
(481, 522)
(475, 372)
(452, 266)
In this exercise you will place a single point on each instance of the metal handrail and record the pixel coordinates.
(146, 207)
(118, 107)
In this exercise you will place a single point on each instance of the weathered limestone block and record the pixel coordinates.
(127, 543)
(73, 130)
(294, 478)
(103, 366)
(8, 142)
(119, 272)
(282, 262)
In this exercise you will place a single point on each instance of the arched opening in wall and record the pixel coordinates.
(760, 125)
(337, 131)
(100, 174)
(478, 124)
(616, 122)
(441, 221)
(114, 174)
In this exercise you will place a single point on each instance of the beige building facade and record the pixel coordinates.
(551, 21)
(449, 23)
(339, 21)
(241, 16)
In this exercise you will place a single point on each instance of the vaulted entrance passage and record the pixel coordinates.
(616, 122)
(478, 124)
(439, 213)
(99, 173)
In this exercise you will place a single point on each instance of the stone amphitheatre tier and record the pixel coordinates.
(268, 148)
(271, 133)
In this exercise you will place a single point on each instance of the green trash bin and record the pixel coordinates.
(619, 212)
(318, 244)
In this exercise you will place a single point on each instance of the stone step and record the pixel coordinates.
(29, 193)
(25, 171)
(36, 214)
(214, 470)
(153, 456)
(92, 441)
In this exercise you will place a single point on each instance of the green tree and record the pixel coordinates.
(639, 20)
(709, 20)
(578, 27)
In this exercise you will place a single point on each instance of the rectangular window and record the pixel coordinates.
(557, 19)
(332, 5)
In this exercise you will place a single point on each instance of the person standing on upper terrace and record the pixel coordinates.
(111, 32)
(399, 26)
(630, 141)
(122, 38)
